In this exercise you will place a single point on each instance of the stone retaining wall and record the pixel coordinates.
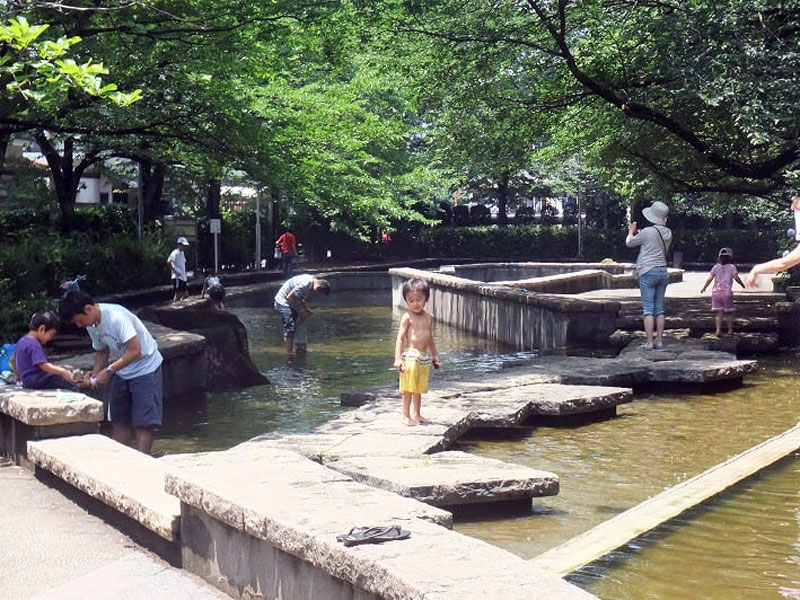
(521, 319)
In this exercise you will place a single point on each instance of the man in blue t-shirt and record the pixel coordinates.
(290, 303)
(127, 356)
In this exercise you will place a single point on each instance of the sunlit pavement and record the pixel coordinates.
(52, 549)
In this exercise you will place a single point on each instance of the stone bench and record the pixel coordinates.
(40, 414)
(262, 522)
(129, 482)
(450, 478)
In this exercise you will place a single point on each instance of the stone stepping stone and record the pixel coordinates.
(512, 406)
(450, 478)
(743, 342)
(284, 486)
(385, 416)
(238, 507)
(128, 481)
(325, 447)
(704, 322)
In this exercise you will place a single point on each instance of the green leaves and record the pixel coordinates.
(39, 73)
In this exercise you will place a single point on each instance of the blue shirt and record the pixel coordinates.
(28, 356)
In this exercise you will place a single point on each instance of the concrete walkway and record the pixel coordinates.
(52, 549)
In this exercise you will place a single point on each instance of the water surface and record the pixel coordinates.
(743, 544)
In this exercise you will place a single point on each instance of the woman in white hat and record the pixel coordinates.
(651, 267)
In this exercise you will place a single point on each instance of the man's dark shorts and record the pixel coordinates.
(288, 318)
(216, 292)
(179, 285)
(136, 401)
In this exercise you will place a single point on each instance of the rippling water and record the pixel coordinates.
(351, 346)
(743, 544)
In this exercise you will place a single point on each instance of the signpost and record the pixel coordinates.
(215, 226)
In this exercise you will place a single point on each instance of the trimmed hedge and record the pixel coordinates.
(32, 268)
(540, 242)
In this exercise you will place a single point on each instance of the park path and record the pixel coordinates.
(52, 549)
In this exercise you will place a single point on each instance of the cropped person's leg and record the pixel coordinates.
(147, 412)
(717, 322)
(407, 408)
(119, 411)
(658, 305)
(647, 291)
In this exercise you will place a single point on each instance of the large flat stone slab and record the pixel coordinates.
(384, 416)
(450, 478)
(511, 406)
(680, 361)
(116, 475)
(249, 486)
(302, 520)
(39, 408)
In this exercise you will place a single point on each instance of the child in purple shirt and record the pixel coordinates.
(30, 362)
(723, 275)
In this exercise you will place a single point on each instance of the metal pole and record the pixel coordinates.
(258, 231)
(580, 224)
(139, 203)
(216, 253)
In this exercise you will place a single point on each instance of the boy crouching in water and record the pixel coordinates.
(415, 351)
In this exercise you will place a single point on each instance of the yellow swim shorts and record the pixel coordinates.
(416, 371)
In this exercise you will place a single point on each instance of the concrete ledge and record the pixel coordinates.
(450, 478)
(49, 407)
(259, 521)
(27, 415)
(120, 477)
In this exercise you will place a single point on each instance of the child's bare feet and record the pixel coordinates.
(409, 421)
(422, 420)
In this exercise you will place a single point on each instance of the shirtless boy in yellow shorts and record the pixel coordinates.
(415, 351)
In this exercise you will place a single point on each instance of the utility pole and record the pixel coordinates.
(258, 230)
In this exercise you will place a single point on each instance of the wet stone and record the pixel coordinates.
(450, 478)
(49, 407)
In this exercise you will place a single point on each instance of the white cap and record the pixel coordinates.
(183, 241)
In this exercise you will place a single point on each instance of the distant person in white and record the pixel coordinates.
(127, 356)
(177, 266)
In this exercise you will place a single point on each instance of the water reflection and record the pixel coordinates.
(742, 545)
(746, 540)
(351, 346)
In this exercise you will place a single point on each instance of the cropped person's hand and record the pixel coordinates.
(633, 228)
(436, 363)
(398, 364)
(102, 377)
(750, 280)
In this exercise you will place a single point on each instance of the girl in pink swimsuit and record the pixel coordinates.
(723, 275)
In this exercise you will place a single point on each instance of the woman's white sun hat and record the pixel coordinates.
(656, 213)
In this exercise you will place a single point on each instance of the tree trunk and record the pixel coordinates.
(4, 141)
(502, 199)
(65, 174)
(213, 198)
(152, 188)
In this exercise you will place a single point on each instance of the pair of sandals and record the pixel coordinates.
(373, 535)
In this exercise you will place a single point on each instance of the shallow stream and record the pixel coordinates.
(744, 544)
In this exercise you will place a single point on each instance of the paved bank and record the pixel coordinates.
(51, 549)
